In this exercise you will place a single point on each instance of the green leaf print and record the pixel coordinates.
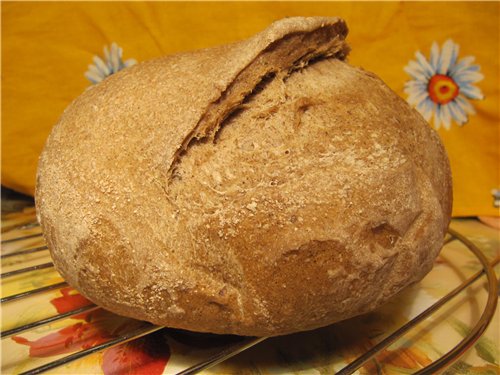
(462, 368)
(485, 348)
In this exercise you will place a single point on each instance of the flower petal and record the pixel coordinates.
(415, 84)
(446, 116)
(424, 64)
(93, 77)
(437, 117)
(417, 96)
(434, 58)
(129, 62)
(463, 70)
(457, 112)
(118, 50)
(467, 76)
(463, 63)
(94, 69)
(412, 88)
(65, 340)
(426, 107)
(465, 105)
(471, 92)
(145, 356)
(101, 66)
(106, 53)
(448, 56)
(415, 71)
(115, 57)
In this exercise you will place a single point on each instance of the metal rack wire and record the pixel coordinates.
(228, 352)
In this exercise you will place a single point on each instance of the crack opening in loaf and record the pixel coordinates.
(279, 59)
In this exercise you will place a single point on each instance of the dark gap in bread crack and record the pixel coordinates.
(265, 81)
(282, 57)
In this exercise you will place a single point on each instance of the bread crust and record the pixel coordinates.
(259, 188)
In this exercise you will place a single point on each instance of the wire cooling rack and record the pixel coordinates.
(31, 230)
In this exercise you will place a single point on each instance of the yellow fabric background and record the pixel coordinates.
(46, 47)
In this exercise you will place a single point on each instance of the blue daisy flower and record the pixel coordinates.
(110, 64)
(442, 86)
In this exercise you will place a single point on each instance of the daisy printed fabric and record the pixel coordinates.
(443, 85)
(112, 62)
(445, 64)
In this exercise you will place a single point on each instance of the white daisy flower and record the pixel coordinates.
(442, 85)
(110, 64)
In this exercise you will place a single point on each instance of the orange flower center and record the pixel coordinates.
(442, 89)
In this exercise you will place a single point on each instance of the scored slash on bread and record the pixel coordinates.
(282, 48)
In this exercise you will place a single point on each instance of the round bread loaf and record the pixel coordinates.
(258, 188)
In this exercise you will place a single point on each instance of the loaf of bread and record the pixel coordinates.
(257, 188)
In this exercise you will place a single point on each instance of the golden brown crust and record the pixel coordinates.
(250, 188)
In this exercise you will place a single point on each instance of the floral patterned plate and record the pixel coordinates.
(169, 351)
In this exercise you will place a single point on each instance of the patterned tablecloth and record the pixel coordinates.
(322, 351)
